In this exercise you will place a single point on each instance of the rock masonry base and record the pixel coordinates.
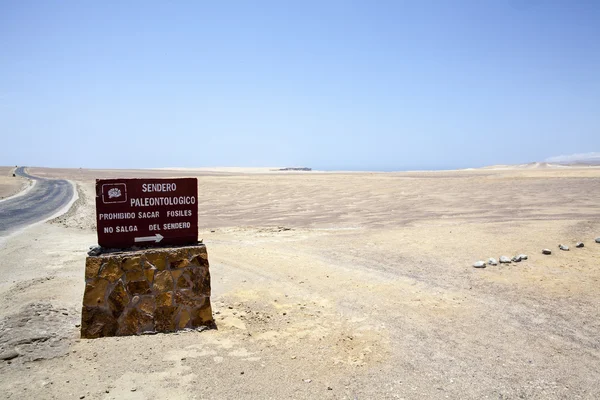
(146, 291)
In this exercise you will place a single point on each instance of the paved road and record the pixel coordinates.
(46, 198)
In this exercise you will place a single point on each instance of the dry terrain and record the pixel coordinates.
(10, 185)
(334, 286)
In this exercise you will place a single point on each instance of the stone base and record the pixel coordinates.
(146, 291)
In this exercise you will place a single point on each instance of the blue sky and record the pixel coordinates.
(380, 85)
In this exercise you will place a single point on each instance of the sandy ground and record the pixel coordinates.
(10, 185)
(349, 286)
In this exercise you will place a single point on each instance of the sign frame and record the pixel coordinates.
(146, 212)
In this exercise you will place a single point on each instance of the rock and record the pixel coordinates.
(479, 264)
(516, 259)
(163, 282)
(164, 318)
(97, 322)
(308, 380)
(137, 275)
(178, 254)
(94, 251)
(146, 304)
(176, 273)
(164, 299)
(184, 319)
(329, 388)
(135, 322)
(598, 240)
(504, 260)
(201, 260)
(579, 244)
(523, 257)
(184, 281)
(155, 261)
(111, 271)
(118, 299)
(185, 297)
(92, 266)
(132, 263)
(563, 247)
(200, 276)
(492, 261)
(546, 251)
(95, 291)
(149, 273)
(136, 288)
(9, 355)
(182, 263)
(202, 315)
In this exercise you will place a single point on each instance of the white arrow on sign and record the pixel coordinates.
(156, 238)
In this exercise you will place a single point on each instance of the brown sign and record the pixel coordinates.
(146, 212)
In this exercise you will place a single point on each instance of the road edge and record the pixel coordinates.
(67, 206)
(30, 184)
(60, 212)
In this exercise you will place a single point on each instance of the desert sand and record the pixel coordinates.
(334, 285)
(10, 185)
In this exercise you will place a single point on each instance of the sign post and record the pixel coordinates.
(146, 212)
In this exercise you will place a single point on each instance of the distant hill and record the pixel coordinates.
(576, 159)
(295, 169)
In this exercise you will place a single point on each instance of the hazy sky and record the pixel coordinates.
(331, 85)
